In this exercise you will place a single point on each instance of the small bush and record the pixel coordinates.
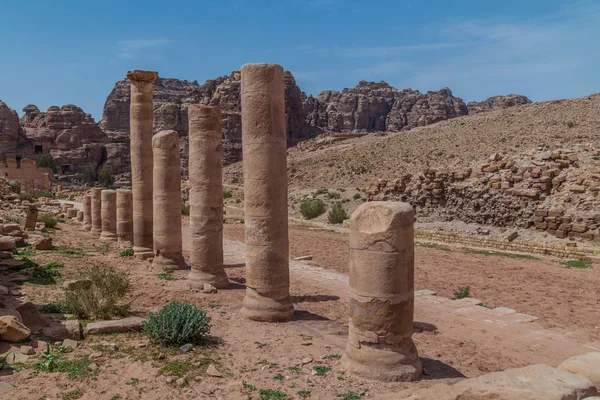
(312, 208)
(24, 196)
(45, 275)
(177, 324)
(333, 195)
(337, 214)
(48, 219)
(577, 264)
(321, 191)
(461, 292)
(105, 176)
(14, 186)
(227, 194)
(53, 308)
(89, 174)
(100, 295)
(46, 161)
(126, 253)
(185, 209)
(356, 196)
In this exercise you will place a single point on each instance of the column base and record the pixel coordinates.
(143, 253)
(108, 236)
(267, 309)
(401, 364)
(197, 279)
(95, 230)
(171, 262)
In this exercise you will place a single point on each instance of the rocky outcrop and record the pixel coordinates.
(497, 103)
(12, 135)
(378, 106)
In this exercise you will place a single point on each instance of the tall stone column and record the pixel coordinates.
(167, 201)
(125, 217)
(95, 194)
(206, 197)
(109, 215)
(87, 212)
(380, 344)
(265, 194)
(141, 129)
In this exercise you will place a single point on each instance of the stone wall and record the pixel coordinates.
(30, 177)
(555, 191)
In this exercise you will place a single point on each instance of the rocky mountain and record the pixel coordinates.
(497, 103)
(12, 135)
(378, 106)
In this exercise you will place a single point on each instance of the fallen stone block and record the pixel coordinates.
(43, 244)
(7, 243)
(32, 317)
(535, 382)
(586, 365)
(12, 330)
(130, 324)
(68, 329)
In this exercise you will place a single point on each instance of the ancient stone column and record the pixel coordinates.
(96, 210)
(71, 212)
(87, 212)
(206, 197)
(141, 129)
(167, 201)
(79, 216)
(265, 194)
(31, 219)
(109, 215)
(380, 342)
(125, 217)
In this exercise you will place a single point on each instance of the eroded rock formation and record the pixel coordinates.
(497, 103)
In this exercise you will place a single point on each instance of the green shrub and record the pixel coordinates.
(577, 263)
(461, 292)
(24, 196)
(337, 214)
(49, 195)
(100, 294)
(177, 324)
(126, 253)
(333, 195)
(356, 196)
(46, 161)
(53, 308)
(185, 209)
(14, 186)
(312, 208)
(48, 219)
(105, 176)
(227, 194)
(89, 174)
(321, 191)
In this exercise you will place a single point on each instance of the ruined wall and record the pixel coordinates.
(554, 191)
(30, 177)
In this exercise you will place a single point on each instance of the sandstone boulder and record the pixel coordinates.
(44, 243)
(12, 330)
(130, 324)
(7, 243)
(32, 317)
(497, 103)
(586, 365)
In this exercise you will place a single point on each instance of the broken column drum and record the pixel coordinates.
(206, 197)
(125, 217)
(31, 218)
(109, 215)
(265, 194)
(96, 210)
(167, 201)
(141, 130)
(87, 212)
(380, 344)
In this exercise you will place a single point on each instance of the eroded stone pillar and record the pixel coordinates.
(167, 201)
(109, 215)
(380, 344)
(265, 194)
(125, 217)
(87, 212)
(206, 197)
(141, 126)
(31, 219)
(79, 216)
(96, 208)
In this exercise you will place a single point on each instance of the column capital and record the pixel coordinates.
(140, 75)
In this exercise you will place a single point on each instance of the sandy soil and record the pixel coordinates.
(256, 356)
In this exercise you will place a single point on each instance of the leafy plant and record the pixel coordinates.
(303, 393)
(356, 196)
(45, 275)
(126, 253)
(312, 208)
(333, 356)
(53, 308)
(227, 194)
(71, 252)
(48, 359)
(3, 363)
(89, 174)
(73, 395)
(349, 396)
(321, 370)
(248, 386)
(46, 161)
(185, 209)
(100, 295)
(167, 275)
(48, 219)
(177, 324)
(105, 176)
(278, 377)
(337, 214)
(462, 292)
(270, 394)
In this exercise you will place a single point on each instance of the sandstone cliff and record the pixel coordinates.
(12, 136)
(497, 103)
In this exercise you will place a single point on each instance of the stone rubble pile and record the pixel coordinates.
(554, 191)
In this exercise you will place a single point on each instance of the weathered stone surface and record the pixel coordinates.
(44, 243)
(535, 382)
(7, 243)
(586, 365)
(31, 316)
(130, 324)
(12, 330)
(497, 103)
(68, 329)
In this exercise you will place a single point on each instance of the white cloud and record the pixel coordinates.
(128, 49)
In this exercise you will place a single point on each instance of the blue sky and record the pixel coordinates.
(68, 52)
